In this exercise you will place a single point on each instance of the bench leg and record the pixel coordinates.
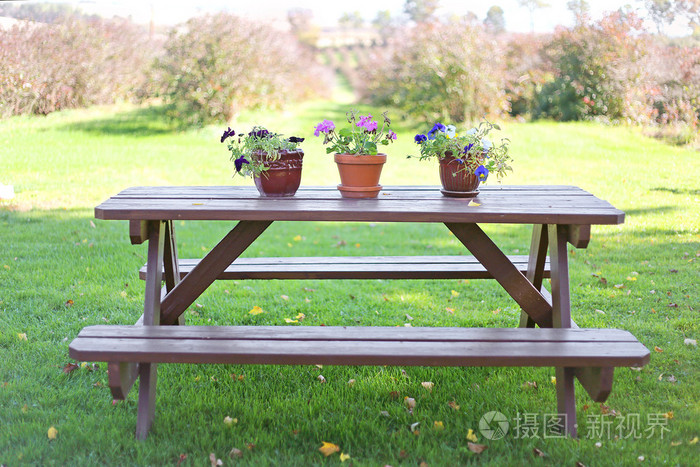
(147, 399)
(566, 401)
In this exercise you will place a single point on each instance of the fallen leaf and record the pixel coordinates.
(673, 271)
(471, 436)
(180, 459)
(250, 446)
(538, 453)
(384, 413)
(454, 293)
(673, 305)
(69, 302)
(234, 453)
(70, 367)
(476, 448)
(619, 286)
(676, 443)
(52, 433)
(409, 402)
(553, 379)
(351, 382)
(453, 405)
(473, 203)
(600, 311)
(693, 441)
(284, 297)
(658, 349)
(300, 316)
(344, 457)
(450, 310)
(328, 448)
(598, 444)
(409, 317)
(428, 385)
(230, 421)
(321, 379)
(414, 426)
(22, 336)
(214, 461)
(438, 425)
(530, 384)
(692, 342)
(297, 238)
(631, 278)
(256, 310)
(640, 458)
(290, 321)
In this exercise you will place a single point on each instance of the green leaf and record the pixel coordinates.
(346, 132)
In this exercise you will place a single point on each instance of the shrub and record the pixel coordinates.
(595, 67)
(74, 62)
(451, 72)
(217, 65)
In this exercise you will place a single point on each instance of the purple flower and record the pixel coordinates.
(391, 135)
(325, 126)
(262, 133)
(420, 138)
(482, 172)
(295, 139)
(468, 147)
(437, 127)
(227, 133)
(239, 163)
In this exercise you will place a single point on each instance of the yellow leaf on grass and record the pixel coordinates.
(438, 425)
(290, 321)
(631, 278)
(454, 405)
(669, 415)
(297, 238)
(553, 379)
(22, 336)
(52, 433)
(428, 385)
(230, 421)
(344, 457)
(328, 448)
(471, 436)
(300, 316)
(256, 310)
(454, 293)
(693, 441)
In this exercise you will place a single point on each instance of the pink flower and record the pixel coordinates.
(391, 135)
(325, 126)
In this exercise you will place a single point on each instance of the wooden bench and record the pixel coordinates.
(356, 267)
(591, 353)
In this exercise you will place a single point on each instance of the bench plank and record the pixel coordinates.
(356, 267)
(565, 347)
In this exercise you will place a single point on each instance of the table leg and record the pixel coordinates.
(502, 269)
(535, 266)
(561, 318)
(171, 267)
(209, 268)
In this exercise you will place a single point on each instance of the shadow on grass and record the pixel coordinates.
(146, 121)
(650, 210)
(678, 191)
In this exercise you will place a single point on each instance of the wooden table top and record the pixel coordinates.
(531, 204)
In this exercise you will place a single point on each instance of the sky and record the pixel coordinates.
(327, 12)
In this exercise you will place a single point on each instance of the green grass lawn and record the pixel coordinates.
(61, 269)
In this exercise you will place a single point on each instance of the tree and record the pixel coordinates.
(301, 25)
(666, 11)
(421, 11)
(495, 19)
(351, 20)
(533, 5)
(383, 23)
(581, 10)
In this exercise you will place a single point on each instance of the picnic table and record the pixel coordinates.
(546, 336)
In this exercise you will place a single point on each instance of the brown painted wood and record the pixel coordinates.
(537, 267)
(358, 333)
(579, 235)
(566, 400)
(512, 280)
(559, 265)
(171, 266)
(596, 381)
(147, 399)
(121, 377)
(504, 352)
(355, 267)
(206, 272)
(138, 232)
(532, 205)
(154, 274)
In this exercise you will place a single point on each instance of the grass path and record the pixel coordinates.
(60, 269)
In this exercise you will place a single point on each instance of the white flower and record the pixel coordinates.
(486, 144)
(471, 131)
(451, 131)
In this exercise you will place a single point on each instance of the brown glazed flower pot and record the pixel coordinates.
(282, 177)
(456, 181)
(359, 175)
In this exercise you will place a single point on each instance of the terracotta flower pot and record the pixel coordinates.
(456, 181)
(359, 175)
(282, 177)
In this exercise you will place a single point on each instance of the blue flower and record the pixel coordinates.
(482, 172)
(239, 163)
(437, 127)
(468, 147)
(420, 138)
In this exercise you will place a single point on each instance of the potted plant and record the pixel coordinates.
(465, 159)
(272, 160)
(355, 147)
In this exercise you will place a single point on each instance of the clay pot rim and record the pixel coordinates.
(364, 159)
